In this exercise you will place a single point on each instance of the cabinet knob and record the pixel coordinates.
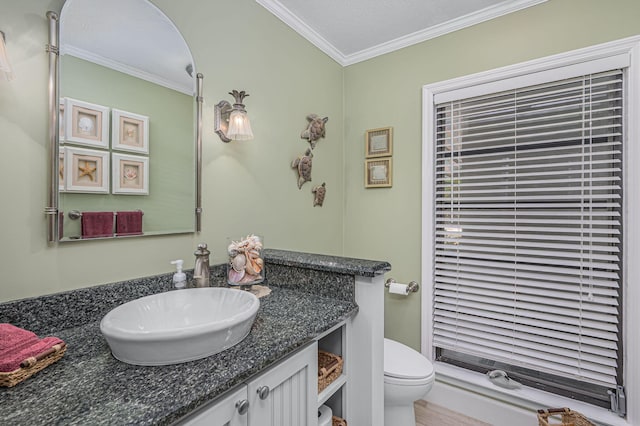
(263, 392)
(242, 407)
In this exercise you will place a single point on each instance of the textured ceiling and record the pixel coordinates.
(355, 30)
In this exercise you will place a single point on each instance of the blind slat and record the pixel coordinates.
(462, 262)
(562, 349)
(525, 277)
(449, 281)
(592, 345)
(536, 322)
(524, 229)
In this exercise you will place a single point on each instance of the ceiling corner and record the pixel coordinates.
(458, 23)
(299, 26)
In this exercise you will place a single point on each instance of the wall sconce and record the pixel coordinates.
(232, 122)
(5, 66)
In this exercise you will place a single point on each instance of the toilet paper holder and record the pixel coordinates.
(413, 286)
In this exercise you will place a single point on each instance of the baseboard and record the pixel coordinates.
(479, 406)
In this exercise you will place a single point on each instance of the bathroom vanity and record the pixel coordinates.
(283, 395)
(316, 301)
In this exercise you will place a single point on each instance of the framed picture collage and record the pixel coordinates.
(102, 150)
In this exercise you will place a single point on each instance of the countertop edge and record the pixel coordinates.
(329, 263)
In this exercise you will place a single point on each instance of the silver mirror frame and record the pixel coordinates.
(199, 101)
(51, 210)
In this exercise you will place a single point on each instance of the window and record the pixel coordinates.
(526, 226)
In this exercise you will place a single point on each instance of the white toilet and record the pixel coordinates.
(408, 376)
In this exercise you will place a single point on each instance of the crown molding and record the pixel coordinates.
(486, 14)
(126, 69)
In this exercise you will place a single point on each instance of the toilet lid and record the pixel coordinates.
(403, 362)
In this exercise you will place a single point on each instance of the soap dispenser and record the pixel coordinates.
(201, 272)
(179, 278)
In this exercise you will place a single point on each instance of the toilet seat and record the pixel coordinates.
(403, 365)
(408, 382)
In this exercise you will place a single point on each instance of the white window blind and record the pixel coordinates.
(528, 223)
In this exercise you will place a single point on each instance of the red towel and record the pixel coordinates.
(16, 345)
(97, 224)
(129, 223)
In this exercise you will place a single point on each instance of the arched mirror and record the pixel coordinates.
(128, 123)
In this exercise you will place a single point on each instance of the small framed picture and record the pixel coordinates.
(130, 174)
(378, 173)
(61, 169)
(129, 132)
(86, 170)
(86, 123)
(379, 142)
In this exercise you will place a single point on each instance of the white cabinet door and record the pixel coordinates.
(287, 394)
(231, 410)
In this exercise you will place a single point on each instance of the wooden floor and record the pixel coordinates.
(429, 414)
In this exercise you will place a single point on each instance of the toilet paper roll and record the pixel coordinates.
(397, 288)
(324, 416)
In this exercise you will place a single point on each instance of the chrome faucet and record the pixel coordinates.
(201, 272)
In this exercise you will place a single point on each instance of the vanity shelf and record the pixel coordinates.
(335, 394)
(331, 389)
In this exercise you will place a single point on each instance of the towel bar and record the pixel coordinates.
(76, 214)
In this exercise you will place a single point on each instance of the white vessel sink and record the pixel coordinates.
(179, 326)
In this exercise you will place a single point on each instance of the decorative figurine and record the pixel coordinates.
(245, 261)
(315, 129)
(302, 164)
(319, 191)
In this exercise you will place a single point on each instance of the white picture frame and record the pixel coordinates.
(130, 174)
(86, 123)
(86, 170)
(129, 131)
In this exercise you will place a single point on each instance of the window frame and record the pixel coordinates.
(631, 207)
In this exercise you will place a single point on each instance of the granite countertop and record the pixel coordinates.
(89, 386)
(311, 293)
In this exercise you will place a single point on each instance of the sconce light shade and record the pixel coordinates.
(239, 126)
(232, 122)
(5, 65)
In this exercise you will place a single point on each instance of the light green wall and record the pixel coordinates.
(248, 187)
(387, 91)
(169, 205)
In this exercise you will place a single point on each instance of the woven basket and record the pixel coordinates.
(14, 377)
(569, 417)
(337, 421)
(329, 368)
